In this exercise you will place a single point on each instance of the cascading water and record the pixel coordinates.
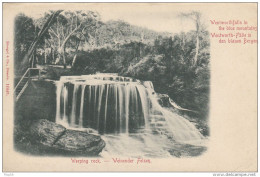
(107, 104)
(122, 106)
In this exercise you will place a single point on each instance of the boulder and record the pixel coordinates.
(80, 143)
(163, 100)
(56, 138)
(45, 132)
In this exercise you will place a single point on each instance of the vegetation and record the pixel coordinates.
(178, 65)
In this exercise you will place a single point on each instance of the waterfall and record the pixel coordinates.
(113, 104)
(81, 107)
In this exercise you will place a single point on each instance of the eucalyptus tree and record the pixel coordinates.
(71, 26)
(196, 17)
(45, 25)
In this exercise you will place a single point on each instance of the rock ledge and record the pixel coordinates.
(55, 137)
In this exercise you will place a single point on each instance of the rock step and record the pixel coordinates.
(158, 113)
(160, 124)
(155, 115)
(156, 119)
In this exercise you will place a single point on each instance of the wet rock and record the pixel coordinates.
(160, 124)
(45, 132)
(186, 150)
(163, 100)
(157, 113)
(56, 138)
(80, 143)
(156, 132)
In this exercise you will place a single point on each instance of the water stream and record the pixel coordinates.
(126, 113)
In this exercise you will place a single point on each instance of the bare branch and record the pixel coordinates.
(67, 38)
(62, 30)
(53, 32)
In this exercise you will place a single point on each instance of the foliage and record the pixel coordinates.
(168, 64)
(25, 32)
(178, 65)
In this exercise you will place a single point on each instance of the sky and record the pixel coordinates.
(161, 21)
(157, 17)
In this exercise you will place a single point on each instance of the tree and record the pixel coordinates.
(196, 17)
(70, 26)
(24, 36)
(28, 56)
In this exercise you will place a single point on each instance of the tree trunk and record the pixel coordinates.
(63, 57)
(32, 61)
(32, 65)
(183, 41)
(45, 57)
(63, 46)
(45, 53)
(197, 50)
(197, 40)
(52, 53)
(74, 60)
(75, 56)
(44, 29)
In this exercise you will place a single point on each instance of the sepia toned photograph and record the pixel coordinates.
(92, 87)
(120, 83)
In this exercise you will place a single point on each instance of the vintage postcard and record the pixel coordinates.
(153, 87)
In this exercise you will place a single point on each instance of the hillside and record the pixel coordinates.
(114, 33)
